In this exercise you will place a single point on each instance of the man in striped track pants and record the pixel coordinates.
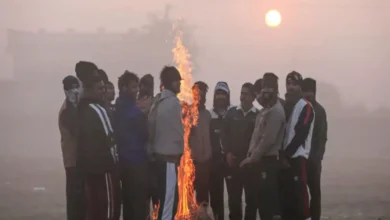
(97, 156)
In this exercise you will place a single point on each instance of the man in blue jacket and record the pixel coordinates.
(132, 135)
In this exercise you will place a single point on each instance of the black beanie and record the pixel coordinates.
(309, 85)
(295, 76)
(85, 70)
(103, 76)
(69, 81)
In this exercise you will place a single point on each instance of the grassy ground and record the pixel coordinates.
(349, 191)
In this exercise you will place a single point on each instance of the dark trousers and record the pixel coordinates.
(135, 190)
(103, 196)
(237, 180)
(267, 173)
(167, 189)
(75, 199)
(153, 190)
(202, 181)
(294, 191)
(217, 189)
(314, 169)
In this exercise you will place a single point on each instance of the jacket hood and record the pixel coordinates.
(222, 86)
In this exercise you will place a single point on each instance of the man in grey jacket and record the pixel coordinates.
(200, 144)
(267, 140)
(167, 141)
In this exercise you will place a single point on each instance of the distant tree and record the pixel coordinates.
(160, 34)
(329, 96)
(381, 112)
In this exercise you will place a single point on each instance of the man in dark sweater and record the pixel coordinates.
(97, 156)
(221, 105)
(319, 139)
(236, 136)
(131, 136)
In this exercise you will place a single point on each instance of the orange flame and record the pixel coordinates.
(155, 211)
(186, 173)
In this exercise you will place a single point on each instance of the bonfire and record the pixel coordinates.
(187, 209)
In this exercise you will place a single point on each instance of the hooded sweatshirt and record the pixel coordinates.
(167, 130)
(130, 131)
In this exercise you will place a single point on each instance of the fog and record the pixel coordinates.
(344, 44)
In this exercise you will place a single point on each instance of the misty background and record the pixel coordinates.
(343, 44)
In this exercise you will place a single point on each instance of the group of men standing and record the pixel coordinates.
(122, 156)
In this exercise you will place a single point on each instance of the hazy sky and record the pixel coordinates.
(343, 42)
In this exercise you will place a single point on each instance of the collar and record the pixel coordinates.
(167, 93)
(253, 109)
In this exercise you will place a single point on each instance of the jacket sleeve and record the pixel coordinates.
(226, 132)
(302, 129)
(142, 128)
(68, 119)
(174, 111)
(273, 124)
(322, 133)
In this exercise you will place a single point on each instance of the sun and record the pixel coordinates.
(273, 18)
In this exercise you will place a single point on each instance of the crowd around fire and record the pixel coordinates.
(122, 154)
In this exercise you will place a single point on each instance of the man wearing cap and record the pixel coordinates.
(319, 139)
(69, 133)
(296, 150)
(166, 133)
(221, 105)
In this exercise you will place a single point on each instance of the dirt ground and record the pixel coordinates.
(349, 192)
(355, 180)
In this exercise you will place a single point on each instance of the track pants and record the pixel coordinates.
(202, 182)
(75, 199)
(314, 169)
(103, 196)
(294, 191)
(167, 189)
(217, 172)
(135, 191)
(268, 187)
(237, 181)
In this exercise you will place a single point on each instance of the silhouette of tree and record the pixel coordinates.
(329, 96)
(161, 34)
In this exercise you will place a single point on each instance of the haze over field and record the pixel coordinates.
(341, 43)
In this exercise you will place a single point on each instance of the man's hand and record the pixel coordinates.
(230, 159)
(246, 161)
